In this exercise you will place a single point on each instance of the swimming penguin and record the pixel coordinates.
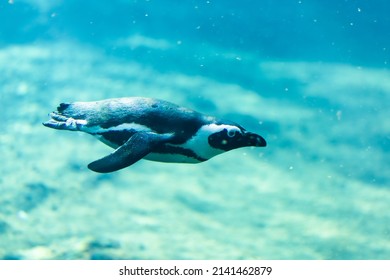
(138, 127)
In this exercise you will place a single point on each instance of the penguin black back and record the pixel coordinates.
(158, 115)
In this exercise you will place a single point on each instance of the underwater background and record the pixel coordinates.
(311, 77)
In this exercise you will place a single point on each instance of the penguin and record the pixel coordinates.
(152, 129)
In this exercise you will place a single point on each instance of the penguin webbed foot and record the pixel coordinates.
(62, 122)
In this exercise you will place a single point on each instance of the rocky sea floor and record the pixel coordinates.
(319, 190)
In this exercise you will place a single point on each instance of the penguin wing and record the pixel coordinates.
(137, 147)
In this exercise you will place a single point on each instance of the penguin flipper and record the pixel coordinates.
(137, 147)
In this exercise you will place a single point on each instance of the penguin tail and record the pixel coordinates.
(62, 107)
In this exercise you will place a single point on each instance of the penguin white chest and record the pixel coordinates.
(199, 143)
(170, 157)
(194, 150)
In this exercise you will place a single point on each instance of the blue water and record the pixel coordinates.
(312, 77)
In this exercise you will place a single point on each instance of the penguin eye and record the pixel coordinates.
(232, 132)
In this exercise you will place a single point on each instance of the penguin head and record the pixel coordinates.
(229, 136)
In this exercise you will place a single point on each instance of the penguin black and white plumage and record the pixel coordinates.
(153, 129)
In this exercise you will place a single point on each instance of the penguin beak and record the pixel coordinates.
(255, 139)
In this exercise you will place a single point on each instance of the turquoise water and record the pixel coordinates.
(312, 77)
